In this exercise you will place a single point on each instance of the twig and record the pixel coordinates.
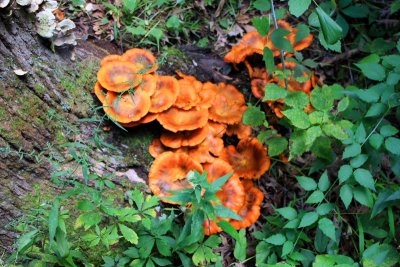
(339, 57)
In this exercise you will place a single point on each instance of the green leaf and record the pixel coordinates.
(276, 146)
(376, 109)
(327, 227)
(302, 32)
(334, 130)
(130, 5)
(297, 144)
(274, 92)
(316, 197)
(298, 118)
(293, 224)
(356, 11)
(331, 30)
(324, 183)
(312, 134)
(325, 208)
(253, 116)
(318, 117)
(262, 25)
(268, 58)
(363, 196)
(373, 71)
(262, 5)
(229, 229)
(26, 241)
(383, 255)
(129, 234)
(277, 239)
(360, 134)
(163, 247)
(288, 213)
(364, 178)
(287, 247)
(217, 184)
(345, 173)
(53, 219)
(393, 145)
(297, 100)
(337, 47)
(307, 183)
(351, 151)
(298, 7)
(225, 212)
(322, 98)
(388, 130)
(343, 104)
(278, 39)
(308, 219)
(376, 140)
(157, 33)
(173, 22)
(241, 246)
(358, 161)
(346, 194)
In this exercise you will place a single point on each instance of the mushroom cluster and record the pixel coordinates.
(195, 116)
(253, 43)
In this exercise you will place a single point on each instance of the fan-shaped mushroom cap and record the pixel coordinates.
(188, 96)
(110, 58)
(214, 137)
(149, 117)
(228, 105)
(210, 227)
(165, 94)
(169, 171)
(249, 159)
(199, 153)
(127, 107)
(100, 92)
(240, 130)
(257, 87)
(250, 210)
(148, 83)
(156, 148)
(143, 57)
(119, 76)
(207, 94)
(251, 43)
(232, 193)
(175, 119)
(184, 138)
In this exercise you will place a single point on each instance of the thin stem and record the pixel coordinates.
(281, 50)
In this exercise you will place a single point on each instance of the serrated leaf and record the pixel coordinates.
(364, 178)
(277, 239)
(351, 151)
(262, 25)
(360, 134)
(331, 30)
(298, 7)
(253, 116)
(129, 234)
(276, 146)
(325, 208)
(274, 92)
(373, 71)
(287, 247)
(327, 227)
(288, 213)
(363, 196)
(358, 161)
(307, 183)
(297, 100)
(322, 98)
(308, 219)
(346, 195)
(393, 145)
(278, 39)
(335, 130)
(298, 118)
(316, 197)
(376, 109)
(312, 134)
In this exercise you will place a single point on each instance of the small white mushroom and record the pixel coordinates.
(34, 5)
(50, 5)
(65, 25)
(4, 3)
(68, 39)
(24, 2)
(45, 24)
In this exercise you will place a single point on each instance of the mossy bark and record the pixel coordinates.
(25, 102)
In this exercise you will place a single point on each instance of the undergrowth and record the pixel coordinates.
(344, 159)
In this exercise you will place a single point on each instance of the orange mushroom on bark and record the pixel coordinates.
(144, 58)
(184, 138)
(156, 148)
(100, 92)
(240, 130)
(175, 119)
(127, 107)
(110, 58)
(165, 94)
(169, 171)
(188, 96)
(148, 83)
(249, 159)
(119, 76)
(149, 117)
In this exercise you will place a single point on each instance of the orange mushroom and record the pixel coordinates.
(184, 138)
(144, 58)
(188, 96)
(207, 94)
(127, 107)
(200, 153)
(119, 76)
(240, 130)
(156, 148)
(148, 83)
(214, 137)
(250, 211)
(175, 119)
(251, 43)
(249, 159)
(100, 92)
(149, 117)
(165, 94)
(294, 85)
(169, 171)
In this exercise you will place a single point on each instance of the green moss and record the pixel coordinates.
(60, 137)
(138, 143)
(40, 89)
(3, 113)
